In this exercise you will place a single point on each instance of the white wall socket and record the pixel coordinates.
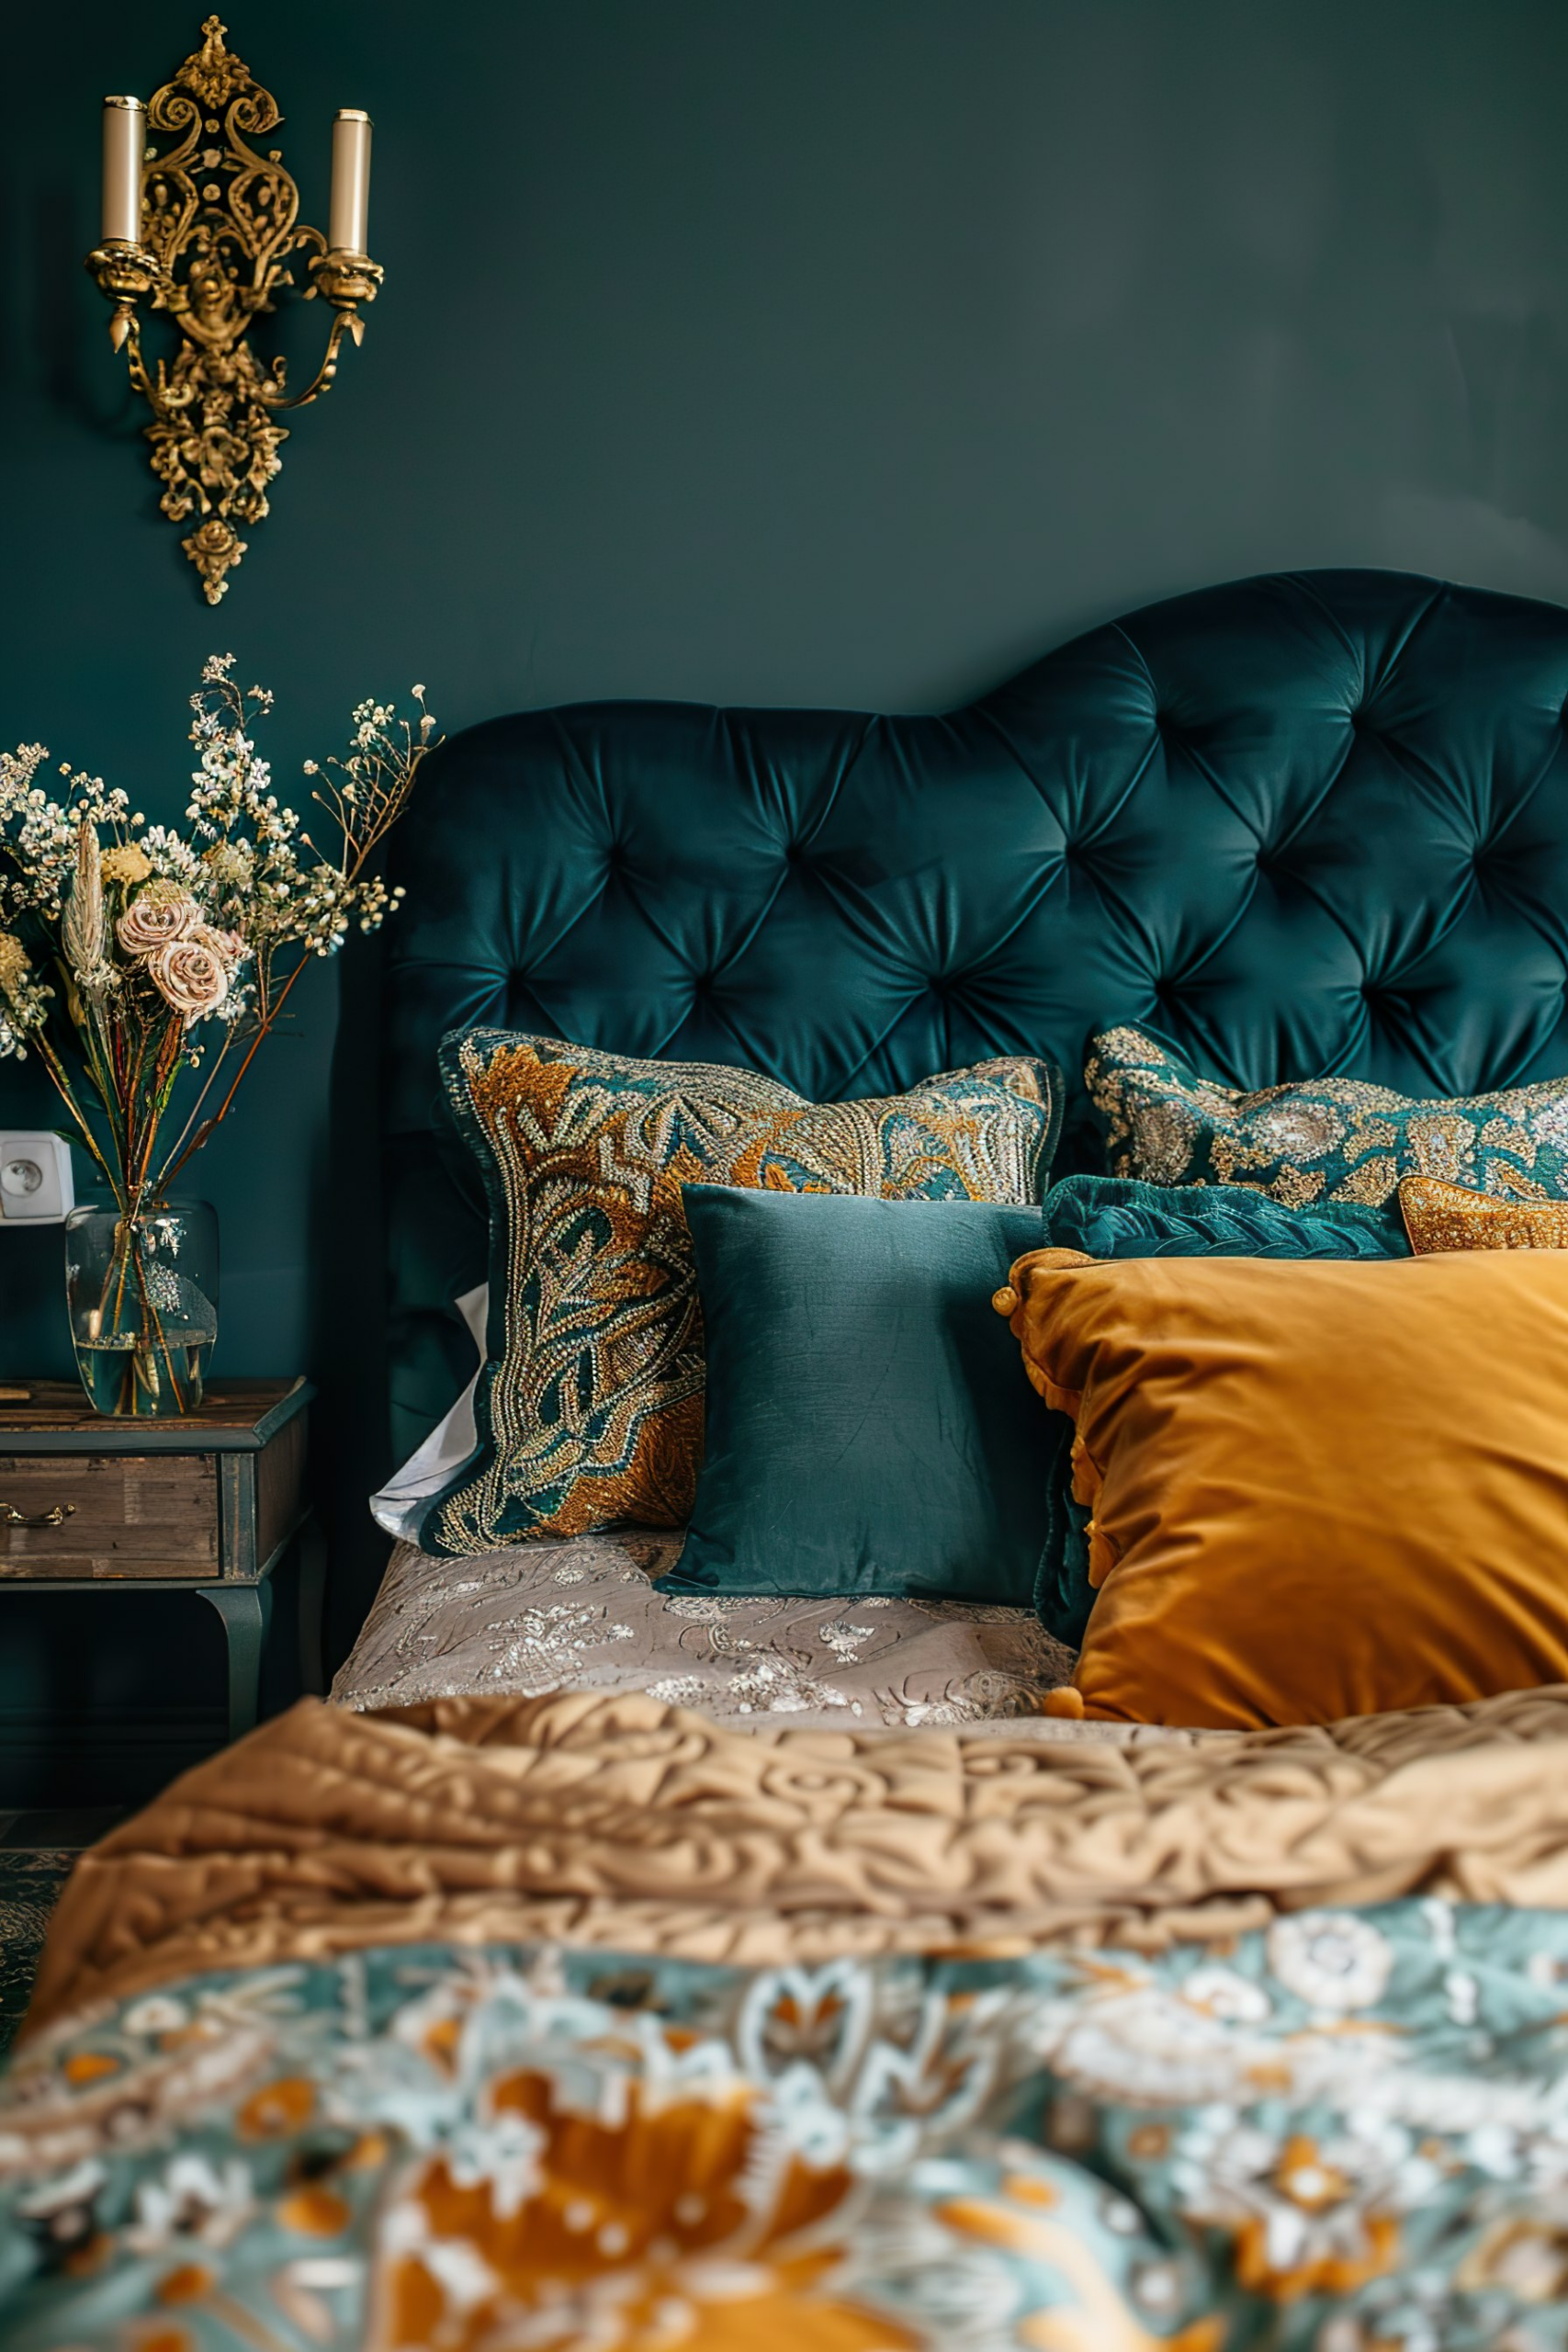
(36, 1185)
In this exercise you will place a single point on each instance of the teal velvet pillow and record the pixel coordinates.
(1118, 1216)
(1325, 1139)
(1110, 1217)
(869, 1428)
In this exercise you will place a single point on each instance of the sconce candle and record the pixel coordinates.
(349, 215)
(125, 137)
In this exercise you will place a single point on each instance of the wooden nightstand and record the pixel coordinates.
(209, 1503)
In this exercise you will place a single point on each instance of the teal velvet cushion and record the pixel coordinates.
(869, 1425)
(1109, 1216)
(1119, 1217)
(1322, 1139)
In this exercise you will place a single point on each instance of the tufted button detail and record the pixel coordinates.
(962, 820)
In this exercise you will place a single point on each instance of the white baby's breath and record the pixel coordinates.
(157, 929)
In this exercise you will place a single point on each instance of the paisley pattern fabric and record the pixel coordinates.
(1323, 1139)
(1349, 2134)
(580, 1613)
(590, 1408)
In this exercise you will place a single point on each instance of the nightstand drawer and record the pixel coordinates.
(131, 1515)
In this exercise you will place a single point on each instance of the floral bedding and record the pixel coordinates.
(1347, 2132)
(585, 2024)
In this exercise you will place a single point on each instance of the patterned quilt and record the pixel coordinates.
(584, 2024)
(1347, 2133)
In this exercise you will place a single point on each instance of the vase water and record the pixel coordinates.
(142, 1295)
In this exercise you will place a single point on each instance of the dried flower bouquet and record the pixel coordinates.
(132, 955)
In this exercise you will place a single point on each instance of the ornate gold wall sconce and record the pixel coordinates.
(202, 228)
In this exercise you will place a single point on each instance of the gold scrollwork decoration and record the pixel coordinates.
(220, 226)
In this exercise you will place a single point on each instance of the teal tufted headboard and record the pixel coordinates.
(1309, 822)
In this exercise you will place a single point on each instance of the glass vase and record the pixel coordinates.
(142, 1295)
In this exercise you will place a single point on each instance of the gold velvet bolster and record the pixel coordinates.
(1319, 1488)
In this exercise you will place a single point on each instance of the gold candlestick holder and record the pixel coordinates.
(219, 223)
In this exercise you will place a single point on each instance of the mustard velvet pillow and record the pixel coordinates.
(1318, 1488)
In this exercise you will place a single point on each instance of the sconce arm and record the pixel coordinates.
(125, 273)
(344, 280)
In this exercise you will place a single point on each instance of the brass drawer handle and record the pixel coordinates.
(11, 1517)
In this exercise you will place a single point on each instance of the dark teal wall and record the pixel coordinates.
(845, 351)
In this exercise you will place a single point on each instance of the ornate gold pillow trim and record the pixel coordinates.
(1438, 1216)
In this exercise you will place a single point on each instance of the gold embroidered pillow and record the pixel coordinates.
(1449, 1216)
(588, 1410)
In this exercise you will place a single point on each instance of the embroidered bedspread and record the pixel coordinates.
(580, 1613)
(584, 2022)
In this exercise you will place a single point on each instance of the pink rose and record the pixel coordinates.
(189, 976)
(229, 946)
(155, 918)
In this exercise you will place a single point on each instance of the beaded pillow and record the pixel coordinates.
(589, 1409)
(1449, 1216)
(1323, 1139)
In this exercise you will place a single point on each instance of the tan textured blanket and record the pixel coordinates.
(619, 1822)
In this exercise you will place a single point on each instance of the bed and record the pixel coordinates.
(611, 1967)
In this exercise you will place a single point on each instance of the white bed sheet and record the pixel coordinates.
(399, 1505)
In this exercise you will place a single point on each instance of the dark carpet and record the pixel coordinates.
(30, 1881)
